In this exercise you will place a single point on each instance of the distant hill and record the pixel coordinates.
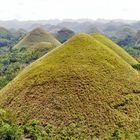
(10, 37)
(4, 33)
(137, 41)
(36, 36)
(78, 27)
(83, 83)
(126, 37)
(64, 34)
(125, 31)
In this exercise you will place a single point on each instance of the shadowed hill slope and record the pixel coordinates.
(82, 82)
(36, 36)
(64, 34)
(121, 52)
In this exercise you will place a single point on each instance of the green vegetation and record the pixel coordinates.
(133, 52)
(128, 38)
(9, 130)
(9, 38)
(124, 36)
(12, 62)
(82, 82)
(34, 130)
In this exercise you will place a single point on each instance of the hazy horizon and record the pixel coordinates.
(68, 19)
(62, 9)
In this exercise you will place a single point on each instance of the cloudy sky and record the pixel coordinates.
(75, 9)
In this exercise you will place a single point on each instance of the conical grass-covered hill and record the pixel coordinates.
(81, 82)
(36, 36)
(121, 52)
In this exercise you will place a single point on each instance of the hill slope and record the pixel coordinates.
(82, 82)
(36, 36)
(122, 53)
(41, 45)
(64, 34)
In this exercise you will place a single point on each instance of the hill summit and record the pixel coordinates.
(36, 36)
(83, 82)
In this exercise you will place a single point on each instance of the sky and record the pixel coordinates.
(69, 9)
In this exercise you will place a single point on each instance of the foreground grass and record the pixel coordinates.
(10, 130)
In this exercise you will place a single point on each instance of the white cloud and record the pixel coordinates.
(50, 9)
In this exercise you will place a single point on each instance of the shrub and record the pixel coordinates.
(137, 67)
(9, 130)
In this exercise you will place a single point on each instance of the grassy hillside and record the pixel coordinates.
(82, 83)
(121, 52)
(36, 36)
(41, 45)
